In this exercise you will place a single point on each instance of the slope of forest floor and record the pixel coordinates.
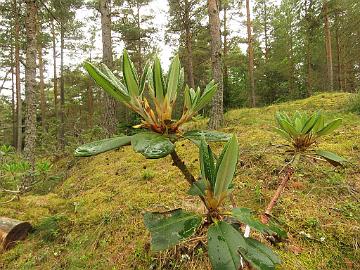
(93, 218)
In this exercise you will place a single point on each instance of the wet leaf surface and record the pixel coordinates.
(152, 145)
(94, 148)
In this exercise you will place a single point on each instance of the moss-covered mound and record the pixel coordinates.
(93, 218)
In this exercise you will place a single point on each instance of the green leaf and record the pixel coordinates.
(330, 127)
(152, 145)
(170, 228)
(258, 255)
(209, 135)
(158, 80)
(114, 79)
(187, 99)
(280, 233)
(173, 78)
(94, 148)
(130, 76)
(310, 123)
(198, 188)
(298, 124)
(319, 124)
(244, 215)
(144, 77)
(227, 166)
(223, 245)
(206, 97)
(283, 134)
(104, 82)
(286, 126)
(331, 157)
(207, 163)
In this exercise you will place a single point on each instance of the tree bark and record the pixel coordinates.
(61, 135)
(329, 60)
(225, 51)
(12, 231)
(140, 63)
(266, 30)
(41, 75)
(30, 82)
(338, 50)
(55, 79)
(17, 77)
(308, 8)
(216, 112)
(250, 54)
(13, 97)
(188, 45)
(291, 65)
(109, 120)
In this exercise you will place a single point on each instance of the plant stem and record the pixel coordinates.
(185, 171)
(288, 173)
(182, 167)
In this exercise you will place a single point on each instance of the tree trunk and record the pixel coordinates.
(266, 30)
(338, 50)
(329, 61)
(17, 77)
(308, 48)
(55, 80)
(109, 120)
(188, 45)
(225, 49)
(41, 74)
(13, 97)
(250, 54)
(30, 82)
(12, 231)
(61, 136)
(216, 112)
(291, 65)
(140, 64)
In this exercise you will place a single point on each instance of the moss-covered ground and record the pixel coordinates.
(93, 218)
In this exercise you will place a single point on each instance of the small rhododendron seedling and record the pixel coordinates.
(156, 113)
(303, 134)
(227, 246)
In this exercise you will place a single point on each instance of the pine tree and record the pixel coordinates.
(216, 112)
(30, 82)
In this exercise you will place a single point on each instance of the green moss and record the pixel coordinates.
(104, 198)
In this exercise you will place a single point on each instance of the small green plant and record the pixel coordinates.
(14, 170)
(226, 244)
(50, 228)
(302, 133)
(147, 174)
(227, 247)
(6, 150)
